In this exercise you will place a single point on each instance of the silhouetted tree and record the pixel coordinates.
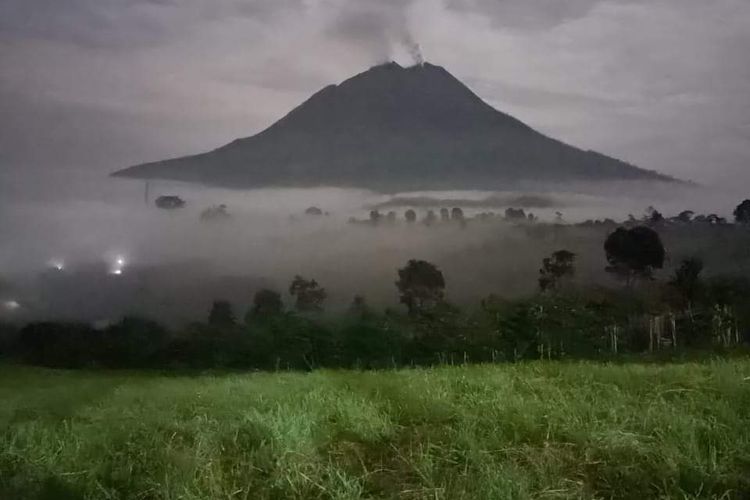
(169, 202)
(634, 253)
(686, 279)
(215, 212)
(221, 314)
(653, 216)
(656, 218)
(445, 214)
(421, 285)
(374, 216)
(364, 344)
(63, 345)
(313, 211)
(715, 219)
(555, 269)
(685, 216)
(742, 213)
(133, 342)
(411, 216)
(266, 303)
(430, 218)
(457, 214)
(309, 294)
(359, 306)
(515, 214)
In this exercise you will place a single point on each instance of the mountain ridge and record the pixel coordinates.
(393, 128)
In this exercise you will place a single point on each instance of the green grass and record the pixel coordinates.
(536, 430)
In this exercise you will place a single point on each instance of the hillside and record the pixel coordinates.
(394, 129)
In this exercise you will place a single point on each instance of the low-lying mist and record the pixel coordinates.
(78, 246)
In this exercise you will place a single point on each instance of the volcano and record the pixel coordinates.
(394, 128)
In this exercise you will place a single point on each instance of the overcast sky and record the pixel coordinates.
(103, 84)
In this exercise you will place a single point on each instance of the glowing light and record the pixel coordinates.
(57, 264)
(118, 265)
(11, 305)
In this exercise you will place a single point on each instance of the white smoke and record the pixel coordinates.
(414, 49)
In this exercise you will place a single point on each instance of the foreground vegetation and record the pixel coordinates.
(529, 430)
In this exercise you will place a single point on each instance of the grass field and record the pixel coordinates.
(536, 430)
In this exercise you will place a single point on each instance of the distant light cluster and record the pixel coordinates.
(118, 266)
(57, 264)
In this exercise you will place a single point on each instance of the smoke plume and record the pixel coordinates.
(414, 49)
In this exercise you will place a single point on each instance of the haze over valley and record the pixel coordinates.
(177, 264)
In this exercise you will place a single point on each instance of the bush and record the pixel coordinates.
(133, 342)
(58, 345)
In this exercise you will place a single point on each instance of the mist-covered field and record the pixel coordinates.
(94, 248)
(532, 430)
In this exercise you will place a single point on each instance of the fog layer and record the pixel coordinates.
(90, 247)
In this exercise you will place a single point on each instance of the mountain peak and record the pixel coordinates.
(394, 128)
(396, 66)
(387, 65)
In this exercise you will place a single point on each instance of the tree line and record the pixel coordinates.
(563, 320)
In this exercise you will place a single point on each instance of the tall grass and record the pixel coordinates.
(535, 430)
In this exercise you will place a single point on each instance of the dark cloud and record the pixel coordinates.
(122, 24)
(525, 14)
(90, 23)
(661, 83)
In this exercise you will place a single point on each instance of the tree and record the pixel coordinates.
(221, 314)
(653, 216)
(313, 211)
(266, 303)
(686, 279)
(715, 219)
(169, 202)
(215, 212)
(457, 214)
(58, 345)
(375, 216)
(421, 285)
(634, 253)
(133, 342)
(515, 214)
(445, 214)
(411, 216)
(555, 269)
(367, 344)
(686, 216)
(309, 294)
(359, 306)
(431, 218)
(742, 213)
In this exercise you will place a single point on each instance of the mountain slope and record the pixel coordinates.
(393, 128)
